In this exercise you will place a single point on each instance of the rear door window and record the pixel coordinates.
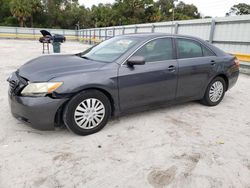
(188, 48)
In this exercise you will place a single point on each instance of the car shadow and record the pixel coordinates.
(62, 130)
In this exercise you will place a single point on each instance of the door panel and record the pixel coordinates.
(194, 74)
(147, 84)
(196, 66)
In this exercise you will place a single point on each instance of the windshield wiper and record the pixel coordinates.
(85, 57)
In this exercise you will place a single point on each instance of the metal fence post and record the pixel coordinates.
(176, 28)
(123, 30)
(79, 35)
(83, 35)
(153, 28)
(113, 31)
(16, 32)
(87, 36)
(100, 35)
(34, 34)
(135, 29)
(105, 33)
(90, 35)
(212, 28)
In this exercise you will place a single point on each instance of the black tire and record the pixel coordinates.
(206, 99)
(70, 108)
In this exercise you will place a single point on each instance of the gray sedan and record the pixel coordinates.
(123, 74)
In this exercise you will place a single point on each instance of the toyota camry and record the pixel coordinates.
(123, 74)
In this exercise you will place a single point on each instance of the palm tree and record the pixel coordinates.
(36, 6)
(21, 9)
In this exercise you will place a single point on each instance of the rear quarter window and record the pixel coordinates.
(207, 52)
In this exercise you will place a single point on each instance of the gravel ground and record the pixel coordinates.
(187, 145)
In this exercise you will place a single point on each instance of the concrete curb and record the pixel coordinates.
(245, 67)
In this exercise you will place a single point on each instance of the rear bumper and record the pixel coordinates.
(233, 77)
(39, 112)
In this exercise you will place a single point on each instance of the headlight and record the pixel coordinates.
(40, 89)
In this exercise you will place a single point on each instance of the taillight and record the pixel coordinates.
(237, 62)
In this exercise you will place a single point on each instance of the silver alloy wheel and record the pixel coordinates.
(89, 113)
(216, 91)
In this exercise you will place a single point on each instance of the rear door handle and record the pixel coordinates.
(213, 62)
(171, 68)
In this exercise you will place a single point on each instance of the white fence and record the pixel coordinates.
(34, 33)
(231, 34)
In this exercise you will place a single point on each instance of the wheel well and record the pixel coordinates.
(59, 114)
(107, 94)
(225, 78)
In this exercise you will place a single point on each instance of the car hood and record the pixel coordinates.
(45, 68)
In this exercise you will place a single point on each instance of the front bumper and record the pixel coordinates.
(39, 112)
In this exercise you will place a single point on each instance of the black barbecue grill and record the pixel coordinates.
(48, 38)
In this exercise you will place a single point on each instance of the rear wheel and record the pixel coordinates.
(215, 92)
(87, 112)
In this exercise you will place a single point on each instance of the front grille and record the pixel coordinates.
(13, 85)
(16, 83)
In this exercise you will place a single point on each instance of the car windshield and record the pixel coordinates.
(109, 50)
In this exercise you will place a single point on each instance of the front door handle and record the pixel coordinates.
(171, 68)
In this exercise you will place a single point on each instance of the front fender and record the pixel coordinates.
(104, 80)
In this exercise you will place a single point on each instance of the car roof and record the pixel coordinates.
(154, 35)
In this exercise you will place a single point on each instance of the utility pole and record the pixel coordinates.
(77, 29)
(78, 26)
(172, 11)
(172, 28)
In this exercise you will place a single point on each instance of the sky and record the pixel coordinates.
(214, 8)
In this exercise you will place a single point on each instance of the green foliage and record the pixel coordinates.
(69, 14)
(5, 14)
(102, 15)
(185, 11)
(24, 10)
(133, 11)
(164, 6)
(21, 9)
(239, 9)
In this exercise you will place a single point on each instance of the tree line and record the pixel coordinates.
(68, 14)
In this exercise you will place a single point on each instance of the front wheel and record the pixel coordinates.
(87, 112)
(215, 92)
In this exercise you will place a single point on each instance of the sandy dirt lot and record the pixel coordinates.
(187, 145)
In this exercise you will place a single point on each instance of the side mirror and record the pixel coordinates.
(136, 60)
